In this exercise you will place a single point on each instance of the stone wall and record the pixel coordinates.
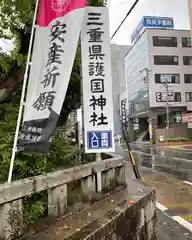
(126, 221)
(124, 209)
(112, 172)
(133, 222)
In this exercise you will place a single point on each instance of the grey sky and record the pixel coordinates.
(177, 9)
(118, 8)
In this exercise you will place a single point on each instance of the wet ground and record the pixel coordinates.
(169, 230)
(167, 171)
(175, 162)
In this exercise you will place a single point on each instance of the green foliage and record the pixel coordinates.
(35, 208)
(15, 24)
(16, 19)
(177, 139)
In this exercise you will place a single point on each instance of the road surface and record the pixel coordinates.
(168, 174)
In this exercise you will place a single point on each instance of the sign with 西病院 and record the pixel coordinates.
(97, 81)
(151, 22)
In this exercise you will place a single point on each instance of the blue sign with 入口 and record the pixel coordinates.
(152, 22)
(99, 140)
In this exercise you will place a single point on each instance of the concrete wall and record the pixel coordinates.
(126, 221)
(173, 133)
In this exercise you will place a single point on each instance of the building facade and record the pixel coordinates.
(158, 70)
(118, 79)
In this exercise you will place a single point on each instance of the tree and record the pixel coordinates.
(16, 22)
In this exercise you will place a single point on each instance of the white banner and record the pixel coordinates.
(57, 33)
(97, 81)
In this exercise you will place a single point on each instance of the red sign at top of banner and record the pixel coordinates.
(52, 9)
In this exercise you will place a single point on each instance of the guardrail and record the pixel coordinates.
(148, 145)
(168, 152)
(12, 194)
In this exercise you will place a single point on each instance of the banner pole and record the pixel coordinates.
(82, 108)
(14, 149)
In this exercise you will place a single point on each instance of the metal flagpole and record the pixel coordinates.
(14, 149)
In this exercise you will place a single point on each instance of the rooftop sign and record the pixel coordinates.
(151, 22)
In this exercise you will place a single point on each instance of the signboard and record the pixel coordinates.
(158, 22)
(166, 78)
(162, 96)
(57, 33)
(97, 81)
(151, 22)
(124, 116)
(187, 117)
(137, 32)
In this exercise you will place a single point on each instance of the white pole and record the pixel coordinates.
(99, 184)
(167, 104)
(14, 149)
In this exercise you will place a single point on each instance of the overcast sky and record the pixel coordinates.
(178, 9)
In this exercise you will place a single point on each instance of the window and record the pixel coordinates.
(187, 60)
(188, 78)
(166, 60)
(186, 42)
(170, 78)
(172, 97)
(188, 96)
(164, 41)
(175, 117)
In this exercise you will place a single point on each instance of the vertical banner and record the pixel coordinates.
(97, 81)
(56, 37)
(124, 117)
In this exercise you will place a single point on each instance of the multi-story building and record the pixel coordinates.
(158, 70)
(118, 79)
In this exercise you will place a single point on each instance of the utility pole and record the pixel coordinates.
(146, 77)
(167, 102)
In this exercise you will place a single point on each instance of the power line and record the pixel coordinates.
(130, 10)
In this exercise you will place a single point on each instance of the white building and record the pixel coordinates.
(157, 57)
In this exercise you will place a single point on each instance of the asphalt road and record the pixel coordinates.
(177, 163)
(168, 229)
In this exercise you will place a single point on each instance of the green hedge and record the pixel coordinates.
(177, 139)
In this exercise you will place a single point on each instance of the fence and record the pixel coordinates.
(12, 195)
